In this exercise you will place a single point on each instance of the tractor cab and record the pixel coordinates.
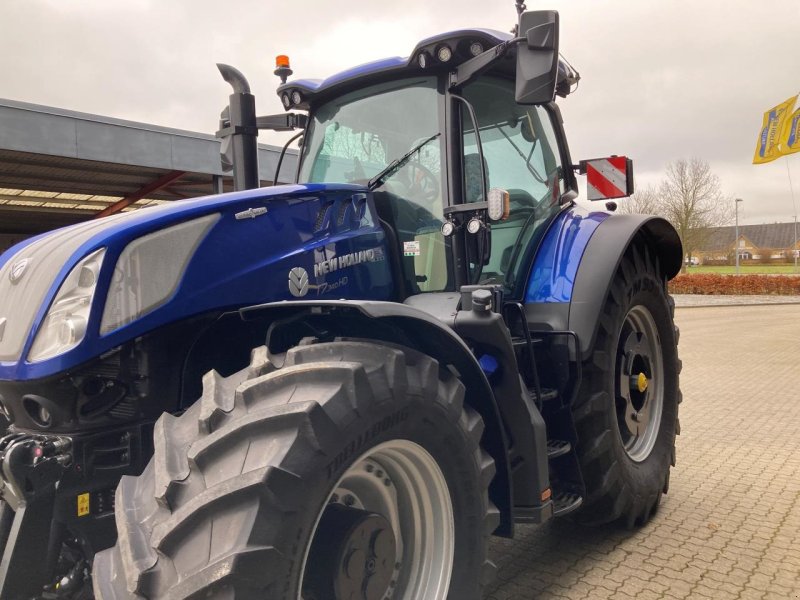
(356, 137)
(435, 137)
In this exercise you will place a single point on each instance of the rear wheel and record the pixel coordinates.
(626, 413)
(355, 471)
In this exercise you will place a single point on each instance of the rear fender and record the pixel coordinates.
(594, 260)
(407, 326)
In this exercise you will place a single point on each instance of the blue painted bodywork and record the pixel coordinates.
(556, 264)
(370, 68)
(239, 262)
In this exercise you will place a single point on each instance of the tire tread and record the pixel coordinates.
(610, 496)
(255, 421)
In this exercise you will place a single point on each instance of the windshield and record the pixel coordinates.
(354, 138)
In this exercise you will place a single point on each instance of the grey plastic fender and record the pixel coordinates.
(601, 259)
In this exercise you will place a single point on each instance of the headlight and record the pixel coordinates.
(149, 271)
(65, 324)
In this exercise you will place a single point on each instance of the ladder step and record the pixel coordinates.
(565, 502)
(556, 448)
(548, 395)
(519, 341)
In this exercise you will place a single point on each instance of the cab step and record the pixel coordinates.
(556, 448)
(522, 342)
(565, 502)
(548, 394)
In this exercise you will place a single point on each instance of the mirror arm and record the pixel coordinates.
(470, 69)
(283, 122)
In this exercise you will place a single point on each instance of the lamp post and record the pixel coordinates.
(736, 244)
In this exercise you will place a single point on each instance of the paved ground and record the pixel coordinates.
(730, 526)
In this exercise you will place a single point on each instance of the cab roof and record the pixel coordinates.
(463, 44)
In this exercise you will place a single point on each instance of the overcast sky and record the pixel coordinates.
(662, 80)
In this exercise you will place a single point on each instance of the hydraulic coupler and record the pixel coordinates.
(30, 469)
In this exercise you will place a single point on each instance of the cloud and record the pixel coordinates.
(661, 80)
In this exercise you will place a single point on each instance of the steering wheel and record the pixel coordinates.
(421, 183)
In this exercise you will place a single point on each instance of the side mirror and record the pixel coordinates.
(283, 122)
(608, 178)
(537, 57)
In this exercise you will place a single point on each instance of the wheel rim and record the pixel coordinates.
(640, 383)
(386, 531)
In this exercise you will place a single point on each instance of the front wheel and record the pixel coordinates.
(353, 472)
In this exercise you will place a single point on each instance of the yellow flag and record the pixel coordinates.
(768, 145)
(790, 138)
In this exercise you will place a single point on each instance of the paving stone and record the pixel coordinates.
(730, 525)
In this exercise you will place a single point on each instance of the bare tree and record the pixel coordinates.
(645, 201)
(691, 199)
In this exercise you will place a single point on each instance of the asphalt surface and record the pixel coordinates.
(730, 526)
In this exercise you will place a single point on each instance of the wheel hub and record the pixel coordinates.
(385, 532)
(360, 548)
(636, 370)
(639, 383)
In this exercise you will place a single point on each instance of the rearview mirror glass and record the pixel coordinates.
(537, 57)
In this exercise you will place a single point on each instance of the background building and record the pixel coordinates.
(59, 167)
(774, 242)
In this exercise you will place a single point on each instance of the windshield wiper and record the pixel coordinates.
(397, 164)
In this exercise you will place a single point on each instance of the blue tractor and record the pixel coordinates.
(341, 388)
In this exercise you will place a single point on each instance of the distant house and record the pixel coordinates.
(773, 242)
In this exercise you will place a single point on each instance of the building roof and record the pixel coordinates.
(59, 167)
(770, 235)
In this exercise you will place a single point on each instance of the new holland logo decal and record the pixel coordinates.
(299, 284)
(18, 270)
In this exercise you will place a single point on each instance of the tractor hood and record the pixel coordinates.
(75, 293)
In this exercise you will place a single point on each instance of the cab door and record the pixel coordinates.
(522, 156)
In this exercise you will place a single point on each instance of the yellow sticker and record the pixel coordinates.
(83, 504)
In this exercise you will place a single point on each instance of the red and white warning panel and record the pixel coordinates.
(607, 178)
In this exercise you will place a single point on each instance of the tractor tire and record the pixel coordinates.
(626, 411)
(352, 471)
